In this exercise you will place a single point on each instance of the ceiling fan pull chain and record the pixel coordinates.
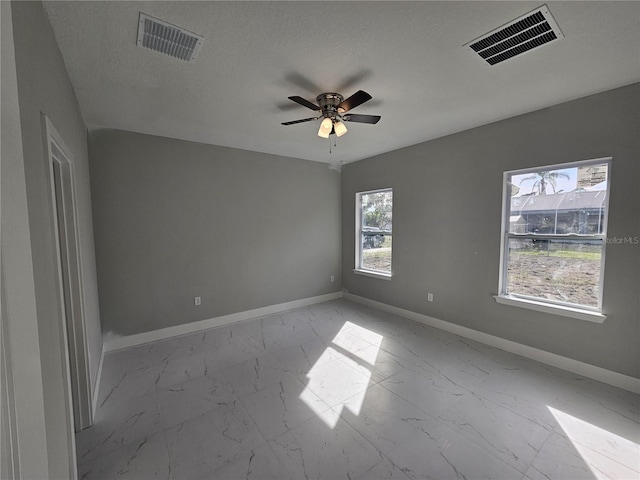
(329, 143)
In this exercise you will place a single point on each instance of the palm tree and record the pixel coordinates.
(541, 179)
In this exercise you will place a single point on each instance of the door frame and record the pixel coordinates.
(8, 440)
(69, 273)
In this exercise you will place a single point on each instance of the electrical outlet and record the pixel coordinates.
(197, 301)
(332, 278)
(430, 297)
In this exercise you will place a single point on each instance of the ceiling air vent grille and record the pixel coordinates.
(521, 35)
(168, 39)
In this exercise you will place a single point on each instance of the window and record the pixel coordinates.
(554, 236)
(374, 215)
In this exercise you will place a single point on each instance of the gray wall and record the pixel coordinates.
(23, 447)
(44, 87)
(176, 219)
(447, 209)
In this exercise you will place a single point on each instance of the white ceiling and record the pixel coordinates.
(407, 55)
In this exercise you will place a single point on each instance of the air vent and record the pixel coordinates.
(168, 39)
(521, 35)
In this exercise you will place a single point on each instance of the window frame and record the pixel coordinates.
(369, 272)
(583, 312)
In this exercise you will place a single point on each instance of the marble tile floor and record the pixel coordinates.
(341, 391)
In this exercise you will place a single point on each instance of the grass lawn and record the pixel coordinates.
(563, 254)
(378, 258)
(566, 276)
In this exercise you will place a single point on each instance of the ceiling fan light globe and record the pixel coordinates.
(325, 128)
(340, 128)
(322, 133)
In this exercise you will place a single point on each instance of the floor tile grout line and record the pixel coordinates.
(544, 426)
(268, 441)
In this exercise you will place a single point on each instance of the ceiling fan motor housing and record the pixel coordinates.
(329, 104)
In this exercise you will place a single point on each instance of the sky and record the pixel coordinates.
(561, 183)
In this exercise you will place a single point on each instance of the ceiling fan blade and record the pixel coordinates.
(304, 102)
(301, 121)
(372, 119)
(354, 100)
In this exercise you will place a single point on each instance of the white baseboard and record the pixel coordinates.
(160, 334)
(591, 371)
(616, 379)
(96, 385)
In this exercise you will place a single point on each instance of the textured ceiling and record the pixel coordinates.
(407, 55)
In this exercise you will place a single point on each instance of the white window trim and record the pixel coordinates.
(372, 273)
(539, 304)
(358, 257)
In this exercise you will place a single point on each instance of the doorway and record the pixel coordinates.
(69, 274)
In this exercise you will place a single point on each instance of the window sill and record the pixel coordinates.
(578, 313)
(370, 273)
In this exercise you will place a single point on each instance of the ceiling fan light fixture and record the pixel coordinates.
(331, 107)
(340, 128)
(325, 128)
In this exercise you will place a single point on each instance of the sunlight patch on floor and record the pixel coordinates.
(341, 374)
(606, 454)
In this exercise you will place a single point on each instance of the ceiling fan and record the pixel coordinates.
(333, 108)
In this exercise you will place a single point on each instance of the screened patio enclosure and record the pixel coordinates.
(578, 212)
